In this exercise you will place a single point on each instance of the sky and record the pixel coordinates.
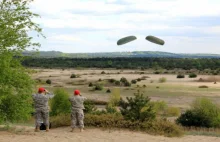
(85, 26)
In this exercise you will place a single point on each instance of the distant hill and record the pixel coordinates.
(53, 54)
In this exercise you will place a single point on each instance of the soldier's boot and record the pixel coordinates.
(81, 130)
(37, 129)
(47, 128)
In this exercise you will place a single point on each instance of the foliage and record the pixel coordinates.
(157, 127)
(172, 111)
(98, 87)
(137, 108)
(60, 102)
(108, 91)
(133, 81)
(112, 80)
(180, 76)
(159, 107)
(48, 81)
(117, 83)
(192, 75)
(16, 86)
(102, 72)
(89, 106)
(123, 63)
(90, 84)
(123, 80)
(127, 84)
(139, 79)
(162, 80)
(203, 113)
(73, 76)
(203, 86)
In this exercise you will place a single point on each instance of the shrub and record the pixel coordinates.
(144, 86)
(157, 127)
(133, 81)
(137, 108)
(156, 72)
(98, 102)
(159, 107)
(73, 76)
(48, 81)
(172, 111)
(127, 84)
(115, 97)
(123, 80)
(162, 80)
(100, 79)
(108, 91)
(192, 75)
(60, 102)
(117, 83)
(203, 86)
(110, 108)
(89, 106)
(138, 86)
(180, 76)
(102, 72)
(138, 79)
(112, 80)
(203, 113)
(98, 87)
(90, 84)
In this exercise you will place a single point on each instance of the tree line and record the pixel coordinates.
(124, 63)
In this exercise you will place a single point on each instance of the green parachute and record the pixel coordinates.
(155, 40)
(125, 40)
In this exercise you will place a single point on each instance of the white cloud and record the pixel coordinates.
(64, 38)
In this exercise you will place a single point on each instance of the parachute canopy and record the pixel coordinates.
(155, 40)
(126, 40)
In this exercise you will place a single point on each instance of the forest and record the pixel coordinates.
(124, 63)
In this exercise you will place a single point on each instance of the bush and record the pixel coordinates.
(60, 102)
(203, 86)
(48, 81)
(98, 87)
(157, 127)
(108, 91)
(159, 107)
(98, 102)
(133, 81)
(123, 80)
(192, 75)
(172, 111)
(89, 106)
(137, 108)
(73, 76)
(100, 79)
(144, 86)
(102, 72)
(180, 76)
(138, 79)
(117, 83)
(90, 84)
(127, 84)
(156, 72)
(162, 80)
(115, 97)
(112, 80)
(203, 113)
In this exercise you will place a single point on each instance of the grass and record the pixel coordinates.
(202, 131)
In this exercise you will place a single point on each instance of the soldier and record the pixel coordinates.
(77, 114)
(41, 109)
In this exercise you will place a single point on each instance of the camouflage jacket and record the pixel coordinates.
(41, 101)
(77, 102)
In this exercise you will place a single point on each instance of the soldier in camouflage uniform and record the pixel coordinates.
(77, 114)
(41, 109)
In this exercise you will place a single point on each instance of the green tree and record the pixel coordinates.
(16, 85)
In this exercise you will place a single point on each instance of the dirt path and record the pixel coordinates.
(95, 135)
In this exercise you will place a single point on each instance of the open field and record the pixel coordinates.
(176, 92)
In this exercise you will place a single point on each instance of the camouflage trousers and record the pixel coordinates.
(77, 117)
(40, 115)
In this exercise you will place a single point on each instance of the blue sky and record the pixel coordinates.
(73, 26)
